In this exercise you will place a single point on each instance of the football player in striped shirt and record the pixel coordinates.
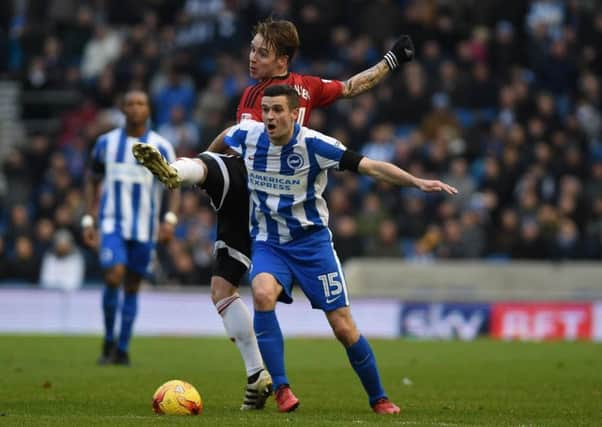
(287, 168)
(273, 46)
(127, 200)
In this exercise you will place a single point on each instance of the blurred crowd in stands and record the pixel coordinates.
(503, 101)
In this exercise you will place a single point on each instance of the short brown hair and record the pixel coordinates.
(292, 97)
(280, 34)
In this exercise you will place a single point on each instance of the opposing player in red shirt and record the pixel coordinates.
(273, 46)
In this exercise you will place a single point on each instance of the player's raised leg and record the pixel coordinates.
(154, 161)
(182, 171)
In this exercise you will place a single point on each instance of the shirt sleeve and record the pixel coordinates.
(235, 137)
(171, 153)
(166, 149)
(244, 112)
(328, 151)
(324, 92)
(98, 156)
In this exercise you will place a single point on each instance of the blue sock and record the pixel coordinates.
(363, 362)
(128, 315)
(271, 345)
(110, 300)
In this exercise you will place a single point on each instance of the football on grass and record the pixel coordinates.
(177, 397)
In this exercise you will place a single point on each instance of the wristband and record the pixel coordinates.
(402, 51)
(170, 218)
(87, 221)
(391, 60)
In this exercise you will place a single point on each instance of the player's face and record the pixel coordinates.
(263, 61)
(136, 108)
(278, 118)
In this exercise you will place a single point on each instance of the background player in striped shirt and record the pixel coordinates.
(128, 218)
(287, 173)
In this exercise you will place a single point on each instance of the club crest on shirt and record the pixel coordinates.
(295, 161)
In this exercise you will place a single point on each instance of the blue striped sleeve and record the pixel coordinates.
(236, 138)
(328, 150)
(99, 150)
(170, 152)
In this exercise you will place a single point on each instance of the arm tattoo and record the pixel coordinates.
(365, 80)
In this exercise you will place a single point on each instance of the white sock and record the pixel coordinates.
(237, 321)
(190, 171)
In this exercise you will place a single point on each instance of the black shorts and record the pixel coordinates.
(226, 185)
(227, 267)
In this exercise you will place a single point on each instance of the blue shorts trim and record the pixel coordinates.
(136, 256)
(310, 262)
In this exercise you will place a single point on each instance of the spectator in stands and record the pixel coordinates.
(441, 119)
(503, 236)
(381, 145)
(566, 242)
(473, 234)
(76, 34)
(19, 225)
(18, 179)
(459, 178)
(531, 245)
(452, 245)
(426, 246)
(411, 221)
(62, 265)
(183, 134)
(44, 233)
(593, 231)
(100, 50)
(178, 91)
(24, 265)
(386, 242)
(347, 242)
(594, 186)
(181, 268)
(371, 216)
(4, 261)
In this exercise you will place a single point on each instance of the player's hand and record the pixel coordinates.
(433, 185)
(90, 237)
(402, 51)
(166, 232)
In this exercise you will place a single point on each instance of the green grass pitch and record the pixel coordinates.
(53, 381)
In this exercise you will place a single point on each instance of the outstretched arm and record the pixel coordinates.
(365, 80)
(402, 51)
(218, 145)
(390, 173)
(170, 220)
(91, 192)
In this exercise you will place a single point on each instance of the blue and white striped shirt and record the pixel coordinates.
(285, 182)
(131, 197)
